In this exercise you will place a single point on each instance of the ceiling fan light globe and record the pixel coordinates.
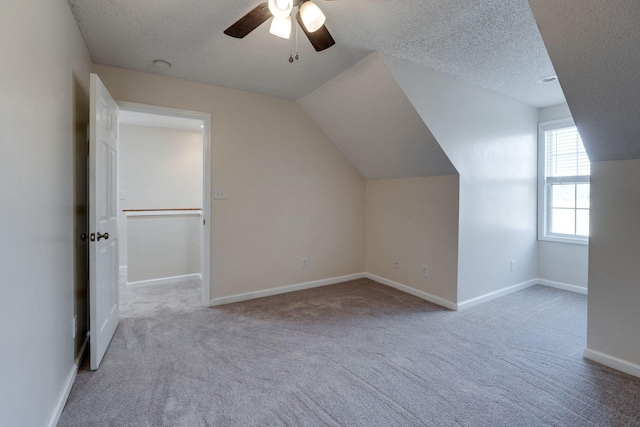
(280, 8)
(281, 27)
(312, 16)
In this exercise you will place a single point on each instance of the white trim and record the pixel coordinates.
(542, 187)
(409, 290)
(496, 294)
(612, 362)
(567, 240)
(205, 241)
(284, 289)
(163, 280)
(564, 286)
(404, 288)
(206, 187)
(163, 213)
(64, 395)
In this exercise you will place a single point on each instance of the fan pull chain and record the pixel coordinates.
(297, 57)
(291, 43)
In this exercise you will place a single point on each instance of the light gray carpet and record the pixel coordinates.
(353, 354)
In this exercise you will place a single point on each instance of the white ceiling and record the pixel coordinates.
(494, 44)
(372, 122)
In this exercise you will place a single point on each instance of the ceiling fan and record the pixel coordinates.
(308, 15)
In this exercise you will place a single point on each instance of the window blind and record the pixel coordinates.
(566, 156)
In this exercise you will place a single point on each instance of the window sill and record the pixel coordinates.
(568, 240)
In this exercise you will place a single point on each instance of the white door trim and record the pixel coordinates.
(206, 196)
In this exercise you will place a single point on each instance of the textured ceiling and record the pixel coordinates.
(372, 122)
(595, 46)
(494, 44)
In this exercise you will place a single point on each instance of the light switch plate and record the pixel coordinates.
(219, 193)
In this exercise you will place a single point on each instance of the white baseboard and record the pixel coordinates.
(420, 294)
(64, 395)
(62, 400)
(496, 294)
(612, 362)
(284, 289)
(563, 286)
(404, 288)
(163, 281)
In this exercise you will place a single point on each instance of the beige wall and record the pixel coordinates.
(492, 142)
(414, 220)
(160, 168)
(163, 246)
(290, 192)
(614, 270)
(45, 79)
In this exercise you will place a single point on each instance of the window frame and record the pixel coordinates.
(544, 204)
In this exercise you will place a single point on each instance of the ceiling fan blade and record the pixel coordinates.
(320, 39)
(249, 22)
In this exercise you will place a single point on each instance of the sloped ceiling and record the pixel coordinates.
(595, 48)
(493, 44)
(369, 118)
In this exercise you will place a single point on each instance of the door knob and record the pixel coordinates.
(83, 237)
(104, 236)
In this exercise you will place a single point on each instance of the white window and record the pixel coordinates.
(563, 183)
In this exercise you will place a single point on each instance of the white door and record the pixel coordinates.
(104, 310)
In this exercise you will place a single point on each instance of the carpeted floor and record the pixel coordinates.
(353, 354)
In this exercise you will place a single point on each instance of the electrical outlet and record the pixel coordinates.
(396, 263)
(423, 271)
(304, 264)
(219, 193)
(122, 195)
(512, 265)
(75, 326)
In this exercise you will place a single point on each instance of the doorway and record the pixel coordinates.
(163, 196)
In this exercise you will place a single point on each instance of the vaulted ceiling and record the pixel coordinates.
(370, 119)
(494, 44)
(595, 47)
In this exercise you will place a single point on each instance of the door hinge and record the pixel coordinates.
(204, 221)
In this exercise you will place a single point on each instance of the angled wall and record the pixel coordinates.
(593, 45)
(491, 141)
(412, 187)
(594, 48)
(367, 116)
